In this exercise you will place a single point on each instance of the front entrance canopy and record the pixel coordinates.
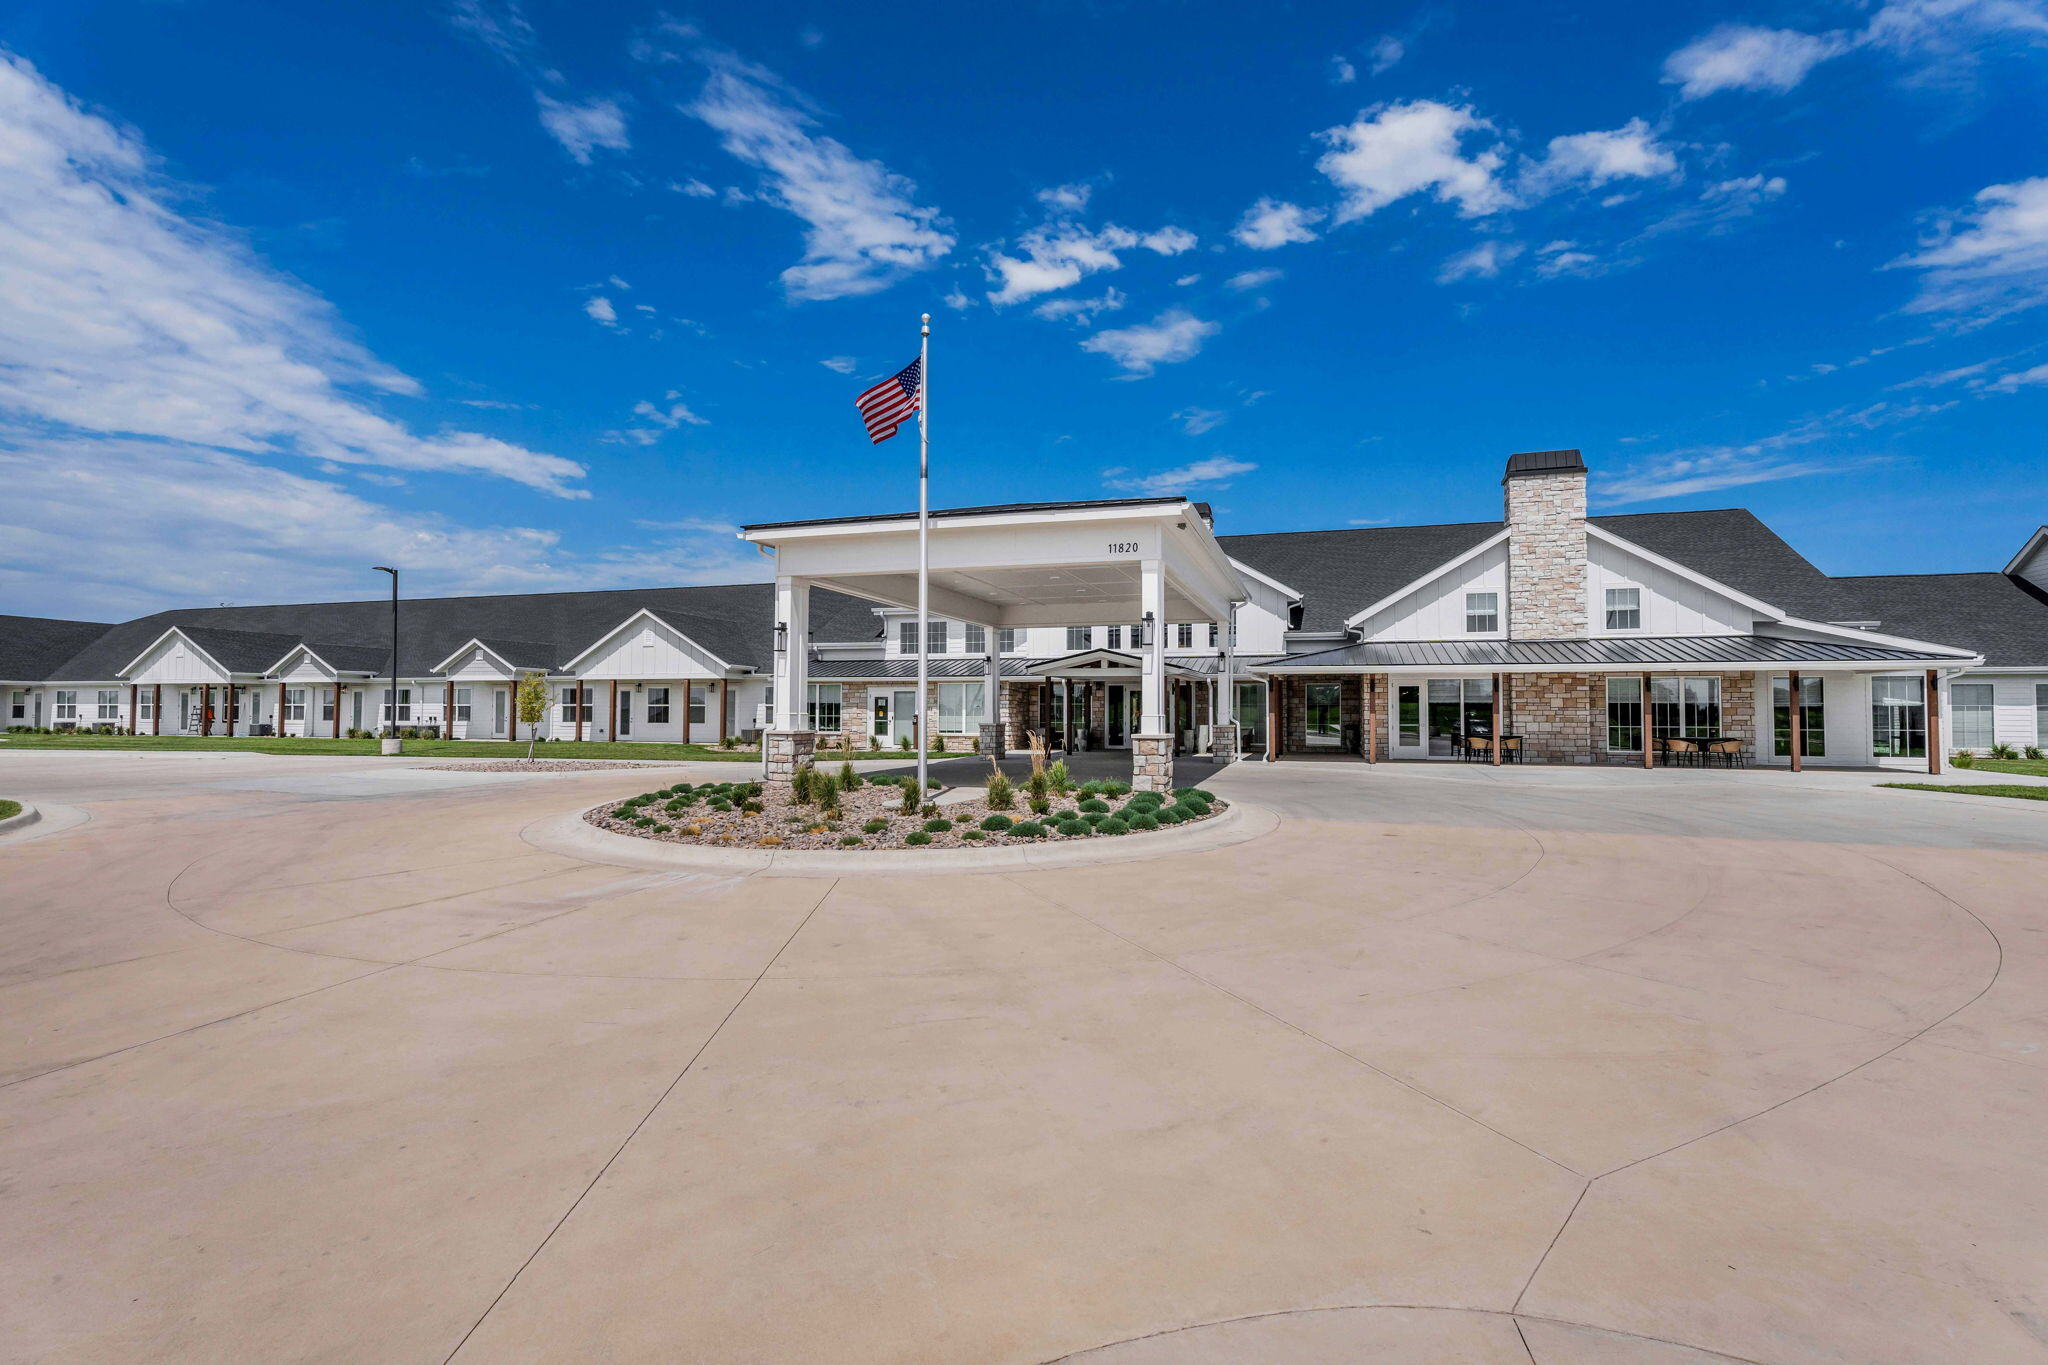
(1112, 562)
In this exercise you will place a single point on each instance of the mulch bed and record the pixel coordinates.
(688, 814)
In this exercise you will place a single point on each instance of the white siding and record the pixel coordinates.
(646, 649)
(175, 661)
(1436, 610)
(2014, 719)
(1671, 604)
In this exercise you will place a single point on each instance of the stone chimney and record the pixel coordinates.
(1545, 496)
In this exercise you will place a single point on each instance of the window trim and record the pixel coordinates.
(1080, 637)
(1482, 613)
(1986, 712)
(815, 702)
(1630, 612)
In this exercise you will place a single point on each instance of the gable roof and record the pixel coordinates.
(1337, 572)
(1729, 545)
(1999, 616)
(32, 648)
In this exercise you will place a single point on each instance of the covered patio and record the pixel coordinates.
(1142, 560)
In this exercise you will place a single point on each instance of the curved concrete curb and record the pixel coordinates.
(21, 819)
(570, 834)
(40, 822)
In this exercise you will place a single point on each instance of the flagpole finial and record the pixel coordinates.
(925, 324)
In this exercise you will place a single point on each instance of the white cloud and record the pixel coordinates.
(1175, 335)
(598, 308)
(670, 414)
(695, 188)
(1184, 281)
(1743, 57)
(1215, 472)
(1059, 252)
(1412, 147)
(840, 364)
(863, 227)
(1080, 311)
(1195, 421)
(122, 317)
(1251, 279)
(1387, 51)
(1841, 434)
(1566, 262)
(581, 126)
(958, 300)
(1591, 159)
(1481, 262)
(1990, 259)
(2019, 379)
(1066, 198)
(1342, 72)
(1274, 223)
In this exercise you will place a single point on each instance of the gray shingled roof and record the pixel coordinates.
(1998, 616)
(1729, 545)
(732, 621)
(1683, 650)
(1338, 572)
(33, 648)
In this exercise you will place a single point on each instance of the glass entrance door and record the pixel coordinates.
(1457, 707)
(1322, 727)
(625, 712)
(1898, 718)
(498, 700)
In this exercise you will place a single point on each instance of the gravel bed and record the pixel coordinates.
(690, 814)
(539, 765)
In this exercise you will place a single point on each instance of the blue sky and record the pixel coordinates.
(549, 296)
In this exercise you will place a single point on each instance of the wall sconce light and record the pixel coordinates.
(1146, 630)
(782, 637)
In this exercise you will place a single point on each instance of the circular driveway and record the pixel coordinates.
(315, 1059)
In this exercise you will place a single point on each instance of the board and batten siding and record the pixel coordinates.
(1436, 609)
(1671, 604)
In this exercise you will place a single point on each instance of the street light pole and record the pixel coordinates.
(391, 744)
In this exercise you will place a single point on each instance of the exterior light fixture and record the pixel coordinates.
(1145, 628)
(782, 637)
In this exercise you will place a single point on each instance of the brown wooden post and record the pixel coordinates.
(205, 711)
(448, 711)
(1933, 722)
(724, 708)
(1649, 754)
(576, 704)
(280, 710)
(1798, 727)
(134, 695)
(611, 722)
(156, 709)
(339, 691)
(1275, 708)
(229, 697)
(1496, 720)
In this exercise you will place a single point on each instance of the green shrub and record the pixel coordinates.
(976, 835)
(917, 837)
(1144, 821)
(1094, 805)
(645, 821)
(937, 825)
(928, 810)
(1093, 818)
(1168, 815)
(1192, 810)
(1192, 794)
(2004, 751)
(2033, 752)
(875, 826)
(998, 823)
(849, 780)
(750, 807)
(800, 784)
(1112, 787)
(1057, 777)
(1040, 804)
(1028, 829)
(912, 797)
(1071, 828)
(904, 744)
(1001, 795)
(931, 783)
(1962, 760)
(1113, 826)
(1090, 788)
(849, 841)
(1038, 784)
(729, 742)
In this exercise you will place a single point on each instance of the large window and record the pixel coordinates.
(1006, 639)
(108, 704)
(1974, 714)
(657, 706)
(977, 638)
(1625, 715)
(906, 637)
(462, 704)
(1077, 637)
(295, 704)
(1482, 613)
(327, 705)
(700, 699)
(404, 706)
(67, 705)
(2041, 713)
(821, 706)
(959, 707)
(935, 637)
(1685, 708)
(145, 704)
(568, 700)
(1898, 718)
(1408, 717)
(1624, 608)
(1813, 729)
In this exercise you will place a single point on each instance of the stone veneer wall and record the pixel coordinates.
(1546, 513)
(1294, 710)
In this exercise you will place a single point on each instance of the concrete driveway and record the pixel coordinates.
(314, 1059)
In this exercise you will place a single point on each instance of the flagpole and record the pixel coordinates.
(924, 558)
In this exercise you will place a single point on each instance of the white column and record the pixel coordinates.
(792, 664)
(1152, 599)
(991, 698)
(1229, 669)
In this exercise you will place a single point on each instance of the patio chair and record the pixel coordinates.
(1685, 752)
(1478, 749)
(1729, 751)
(1511, 749)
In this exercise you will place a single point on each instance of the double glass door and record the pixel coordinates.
(1898, 718)
(1458, 707)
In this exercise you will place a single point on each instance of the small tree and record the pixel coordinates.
(530, 704)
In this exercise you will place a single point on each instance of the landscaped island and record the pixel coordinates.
(842, 810)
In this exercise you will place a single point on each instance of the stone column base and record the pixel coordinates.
(1151, 763)
(789, 750)
(1223, 743)
(993, 744)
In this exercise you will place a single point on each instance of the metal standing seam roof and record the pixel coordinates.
(1683, 651)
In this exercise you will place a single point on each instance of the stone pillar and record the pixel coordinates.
(1544, 493)
(1152, 763)
(992, 736)
(787, 751)
(992, 745)
(1223, 742)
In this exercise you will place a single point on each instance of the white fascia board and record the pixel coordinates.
(2034, 543)
(1871, 637)
(129, 667)
(648, 613)
(1291, 594)
(897, 525)
(465, 647)
(1439, 571)
(306, 650)
(1755, 604)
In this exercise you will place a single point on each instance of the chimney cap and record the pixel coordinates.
(1545, 462)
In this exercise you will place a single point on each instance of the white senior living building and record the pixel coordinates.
(1132, 624)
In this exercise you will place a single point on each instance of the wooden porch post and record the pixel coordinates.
(1275, 706)
(205, 711)
(611, 721)
(1933, 722)
(228, 696)
(280, 710)
(576, 691)
(339, 692)
(1798, 721)
(1649, 751)
(1496, 720)
(448, 711)
(134, 696)
(156, 709)
(724, 700)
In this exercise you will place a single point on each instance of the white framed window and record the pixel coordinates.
(462, 703)
(1213, 633)
(1184, 635)
(959, 707)
(1482, 613)
(906, 637)
(1006, 639)
(657, 706)
(1971, 706)
(66, 705)
(295, 703)
(108, 704)
(1077, 637)
(17, 704)
(821, 706)
(935, 637)
(404, 706)
(1113, 637)
(2041, 713)
(327, 705)
(976, 641)
(145, 704)
(700, 697)
(1624, 608)
(567, 701)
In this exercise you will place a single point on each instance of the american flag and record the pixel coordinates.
(889, 404)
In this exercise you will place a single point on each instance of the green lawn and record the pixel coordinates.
(2014, 790)
(414, 748)
(9, 809)
(2025, 767)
